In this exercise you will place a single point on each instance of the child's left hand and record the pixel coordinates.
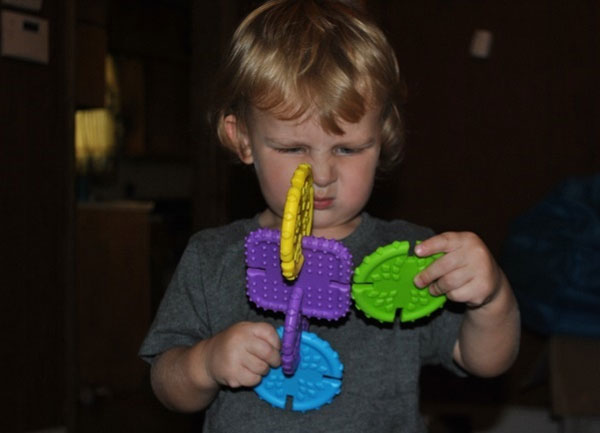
(466, 273)
(488, 341)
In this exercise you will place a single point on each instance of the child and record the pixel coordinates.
(315, 81)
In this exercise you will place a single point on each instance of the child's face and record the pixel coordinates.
(343, 166)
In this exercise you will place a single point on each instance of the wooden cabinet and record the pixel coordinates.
(114, 307)
(113, 295)
(575, 377)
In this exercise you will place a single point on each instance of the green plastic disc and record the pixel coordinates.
(383, 283)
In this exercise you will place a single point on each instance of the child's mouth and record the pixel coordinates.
(322, 203)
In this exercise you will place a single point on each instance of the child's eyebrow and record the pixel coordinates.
(368, 143)
(371, 141)
(284, 142)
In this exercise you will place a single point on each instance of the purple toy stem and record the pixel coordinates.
(292, 330)
(322, 289)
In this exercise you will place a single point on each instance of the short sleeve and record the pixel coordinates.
(438, 338)
(180, 319)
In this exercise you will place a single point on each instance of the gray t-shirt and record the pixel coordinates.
(382, 362)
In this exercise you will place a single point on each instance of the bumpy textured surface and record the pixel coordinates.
(297, 221)
(324, 279)
(322, 289)
(383, 283)
(316, 382)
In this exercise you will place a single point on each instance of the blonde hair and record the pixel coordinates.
(287, 57)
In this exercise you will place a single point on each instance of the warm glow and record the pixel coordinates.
(94, 139)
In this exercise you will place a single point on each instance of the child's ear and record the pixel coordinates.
(238, 138)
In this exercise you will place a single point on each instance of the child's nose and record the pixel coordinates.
(323, 171)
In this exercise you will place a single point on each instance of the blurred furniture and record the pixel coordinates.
(113, 295)
(575, 376)
(116, 251)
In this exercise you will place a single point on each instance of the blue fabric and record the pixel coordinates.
(552, 258)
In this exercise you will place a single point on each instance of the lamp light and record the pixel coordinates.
(95, 140)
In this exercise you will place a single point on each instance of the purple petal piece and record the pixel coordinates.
(325, 276)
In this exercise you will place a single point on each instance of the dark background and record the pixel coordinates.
(487, 139)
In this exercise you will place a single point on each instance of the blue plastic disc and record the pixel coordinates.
(317, 380)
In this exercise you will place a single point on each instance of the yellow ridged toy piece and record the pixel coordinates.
(297, 221)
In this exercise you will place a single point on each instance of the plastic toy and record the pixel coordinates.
(321, 290)
(316, 381)
(297, 221)
(384, 282)
(304, 277)
(307, 277)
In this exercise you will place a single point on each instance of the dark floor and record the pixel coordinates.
(130, 413)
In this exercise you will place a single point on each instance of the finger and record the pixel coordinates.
(450, 282)
(246, 377)
(274, 359)
(264, 351)
(266, 332)
(442, 243)
(468, 294)
(438, 269)
(256, 365)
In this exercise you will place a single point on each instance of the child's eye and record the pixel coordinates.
(347, 150)
(289, 150)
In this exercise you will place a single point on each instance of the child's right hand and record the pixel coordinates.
(242, 354)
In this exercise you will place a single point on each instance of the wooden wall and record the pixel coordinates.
(36, 182)
(489, 138)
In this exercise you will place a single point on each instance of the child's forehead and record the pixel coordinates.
(306, 108)
(292, 116)
(311, 121)
(276, 120)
